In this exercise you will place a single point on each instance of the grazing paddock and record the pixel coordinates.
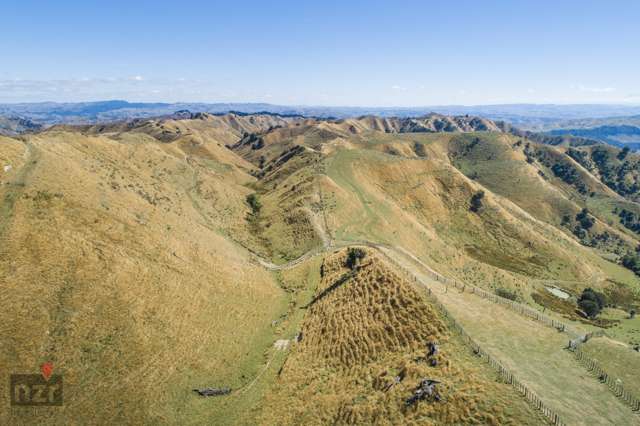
(537, 356)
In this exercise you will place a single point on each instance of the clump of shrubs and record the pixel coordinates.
(585, 219)
(585, 222)
(631, 261)
(506, 293)
(254, 140)
(418, 148)
(254, 202)
(476, 201)
(629, 219)
(569, 175)
(623, 154)
(354, 257)
(591, 302)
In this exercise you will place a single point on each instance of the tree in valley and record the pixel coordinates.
(591, 302)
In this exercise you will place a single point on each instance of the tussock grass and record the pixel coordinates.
(362, 334)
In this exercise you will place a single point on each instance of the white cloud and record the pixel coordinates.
(396, 87)
(596, 89)
(137, 78)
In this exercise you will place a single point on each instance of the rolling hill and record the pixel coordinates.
(146, 258)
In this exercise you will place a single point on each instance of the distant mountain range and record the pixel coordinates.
(614, 124)
(526, 115)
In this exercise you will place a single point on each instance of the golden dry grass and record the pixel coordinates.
(109, 270)
(422, 205)
(360, 335)
(126, 259)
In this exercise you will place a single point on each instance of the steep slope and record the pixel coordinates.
(618, 169)
(414, 190)
(366, 326)
(114, 266)
(412, 202)
(226, 128)
(540, 179)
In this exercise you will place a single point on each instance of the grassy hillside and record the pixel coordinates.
(423, 205)
(414, 191)
(112, 271)
(363, 328)
(152, 257)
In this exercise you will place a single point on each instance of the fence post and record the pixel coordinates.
(530, 396)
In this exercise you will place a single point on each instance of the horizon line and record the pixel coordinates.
(560, 104)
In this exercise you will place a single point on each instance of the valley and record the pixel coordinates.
(150, 257)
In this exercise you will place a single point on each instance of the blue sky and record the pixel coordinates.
(374, 53)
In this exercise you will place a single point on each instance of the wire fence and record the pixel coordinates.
(614, 384)
(503, 372)
(514, 306)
